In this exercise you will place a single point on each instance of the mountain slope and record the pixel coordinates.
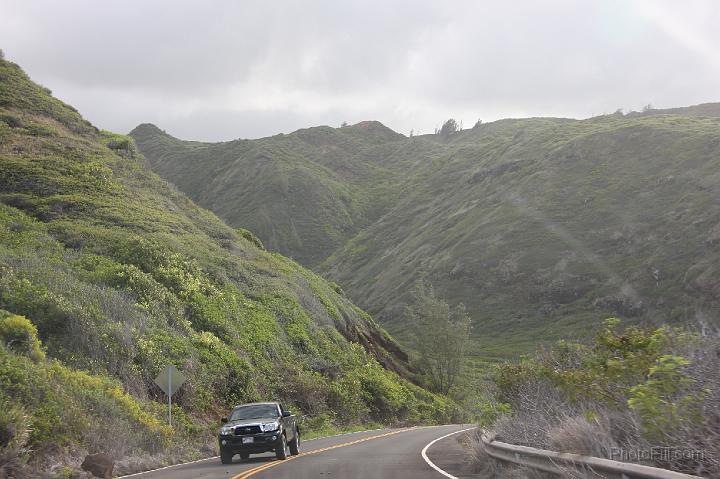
(542, 226)
(116, 274)
(303, 194)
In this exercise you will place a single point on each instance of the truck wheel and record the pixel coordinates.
(244, 455)
(281, 450)
(226, 456)
(295, 444)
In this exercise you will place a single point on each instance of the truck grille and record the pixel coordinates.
(243, 430)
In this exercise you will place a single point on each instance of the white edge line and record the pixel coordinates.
(167, 467)
(215, 457)
(432, 464)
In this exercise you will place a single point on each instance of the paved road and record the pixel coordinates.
(385, 453)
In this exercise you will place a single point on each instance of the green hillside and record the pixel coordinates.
(108, 273)
(540, 226)
(304, 194)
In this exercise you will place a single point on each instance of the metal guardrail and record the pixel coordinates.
(574, 465)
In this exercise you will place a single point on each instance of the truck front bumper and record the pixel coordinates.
(251, 443)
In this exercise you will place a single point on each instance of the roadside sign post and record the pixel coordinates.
(169, 396)
(170, 380)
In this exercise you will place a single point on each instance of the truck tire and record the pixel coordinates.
(281, 449)
(295, 444)
(226, 456)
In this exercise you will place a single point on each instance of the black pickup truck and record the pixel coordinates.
(256, 428)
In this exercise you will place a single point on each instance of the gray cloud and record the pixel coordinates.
(228, 69)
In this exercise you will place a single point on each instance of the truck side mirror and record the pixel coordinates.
(224, 420)
(286, 414)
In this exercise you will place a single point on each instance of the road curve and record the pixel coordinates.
(384, 453)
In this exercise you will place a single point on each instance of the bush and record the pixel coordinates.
(449, 127)
(588, 436)
(662, 401)
(250, 236)
(631, 387)
(18, 334)
(67, 408)
(388, 400)
(346, 397)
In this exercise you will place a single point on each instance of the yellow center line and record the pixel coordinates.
(255, 470)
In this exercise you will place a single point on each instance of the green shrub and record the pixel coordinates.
(317, 426)
(618, 359)
(250, 236)
(662, 401)
(633, 383)
(387, 399)
(345, 396)
(490, 411)
(19, 334)
(64, 406)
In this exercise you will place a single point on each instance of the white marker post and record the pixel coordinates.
(170, 385)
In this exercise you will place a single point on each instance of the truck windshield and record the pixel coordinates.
(255, 411)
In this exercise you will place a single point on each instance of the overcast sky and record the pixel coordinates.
(219, 70)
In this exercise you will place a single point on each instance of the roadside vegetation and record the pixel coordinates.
(108, 274)
(631, 389)
(441, 338)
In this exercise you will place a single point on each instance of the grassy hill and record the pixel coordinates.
(304, 194)
(108, 273)
(541, 226)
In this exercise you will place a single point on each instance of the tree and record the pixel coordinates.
(449, 127)
(441, 336)
(344, 124)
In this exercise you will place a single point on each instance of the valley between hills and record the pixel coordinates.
(542, 227)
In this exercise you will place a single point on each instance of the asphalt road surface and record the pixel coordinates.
(417, 453)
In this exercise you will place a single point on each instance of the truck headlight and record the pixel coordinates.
(270, 426)
(226, 430)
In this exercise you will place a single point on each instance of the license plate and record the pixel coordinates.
(247, 440)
